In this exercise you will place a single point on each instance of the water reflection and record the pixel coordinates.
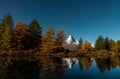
(69, 62)
(84, 63)
(11, 68)
(55, 68)
(51, 68)
(108, 63)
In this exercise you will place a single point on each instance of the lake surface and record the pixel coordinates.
(59, 68)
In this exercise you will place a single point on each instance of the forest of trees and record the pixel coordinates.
(20, 36)
(101, 43)
(29, 37)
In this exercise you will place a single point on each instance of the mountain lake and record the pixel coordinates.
(59, 68)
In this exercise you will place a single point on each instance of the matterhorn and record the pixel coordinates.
(71, 43)
(71, 40)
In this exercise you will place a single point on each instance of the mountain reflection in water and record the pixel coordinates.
(69, 62)
(59, 68)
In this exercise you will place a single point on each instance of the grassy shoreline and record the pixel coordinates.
(96, 54)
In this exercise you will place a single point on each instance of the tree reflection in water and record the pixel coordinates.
(51, 67)
(84, 63)
(31, 68)
(108, 63)
(19, 68)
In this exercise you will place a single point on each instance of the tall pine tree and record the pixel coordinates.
(107, 44)
(99, 43)
(35, 32)
(6, 27)
(80, 44)
(0, 35)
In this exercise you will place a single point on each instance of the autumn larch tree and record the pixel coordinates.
(19, 35)
(60, 39)
(86, 46)
(118, 46)
(48, 41)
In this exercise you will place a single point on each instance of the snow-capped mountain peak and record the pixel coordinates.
(71, 43)
(71, 40)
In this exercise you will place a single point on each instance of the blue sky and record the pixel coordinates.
(81, 18)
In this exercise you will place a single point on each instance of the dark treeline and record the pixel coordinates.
(107, 44)
(23, 37)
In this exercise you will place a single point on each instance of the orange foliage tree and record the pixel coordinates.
(60, 39)
(19, 36)
(48, 44)
(86, 46)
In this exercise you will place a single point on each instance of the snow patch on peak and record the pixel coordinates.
(93, 45)
(77, 42)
